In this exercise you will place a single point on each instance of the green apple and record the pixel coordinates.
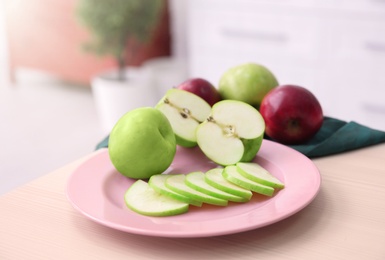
(177, 183)
(142, 143)
(247, 82)
(185, 111)
(158, 183)
(231, 174)
(141, 198)
(232, 133)
(196, 180)
(257, 173)
(215, 178)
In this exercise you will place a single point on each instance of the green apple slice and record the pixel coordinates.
(232, 133)
(185, 111)
(215, 178)
(158, 183)
(177, 183)
(141, 198)
(231, 174)
(257, 173)
(196, 180)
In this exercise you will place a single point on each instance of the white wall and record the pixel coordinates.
(334, 48)
(3, 48)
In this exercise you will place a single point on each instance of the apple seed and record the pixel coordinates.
(211, 119)
(184, 112)
(228, 130)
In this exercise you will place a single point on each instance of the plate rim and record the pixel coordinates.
(135, 230)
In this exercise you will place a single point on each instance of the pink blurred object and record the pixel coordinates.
(45, 35)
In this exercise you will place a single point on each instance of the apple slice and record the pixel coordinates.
(158, 183)
(257, 173)
(232, 133)
(185, 111)
(196, 180)
(141, 198)
(177, 183)
(231, 174)
(215, 178)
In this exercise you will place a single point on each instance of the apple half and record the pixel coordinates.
(185, 111)
(233, 132)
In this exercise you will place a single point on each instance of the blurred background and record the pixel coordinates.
(52, 106)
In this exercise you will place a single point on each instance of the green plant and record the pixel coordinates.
(118, 27)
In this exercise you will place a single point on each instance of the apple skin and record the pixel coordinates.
(142, 143)
(248, 82)
(292, 114)
(201, 88)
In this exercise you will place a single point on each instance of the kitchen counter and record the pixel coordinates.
(345, 221)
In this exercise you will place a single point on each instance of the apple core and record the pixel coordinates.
(233, 132)
(185, 111)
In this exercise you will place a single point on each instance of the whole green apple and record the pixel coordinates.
(142, 143)
(247, 82)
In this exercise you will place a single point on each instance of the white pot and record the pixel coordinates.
(114, 98)
(166, 73)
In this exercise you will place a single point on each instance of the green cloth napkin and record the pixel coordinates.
(103, 143)
(335, 136)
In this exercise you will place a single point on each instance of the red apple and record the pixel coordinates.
(292, 114)
(201, 88)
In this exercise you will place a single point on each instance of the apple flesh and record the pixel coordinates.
(292, 114)
(247, 82)
(201, 88)
(231, 174)
(196, 180)
(177, 183)
(158, 183)
(142, 143)
(185, 111)
(257, 173)
(166, 195)
(141, 198)
(215, 178)
(233, 132)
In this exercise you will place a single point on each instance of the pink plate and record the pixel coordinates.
(97, 190)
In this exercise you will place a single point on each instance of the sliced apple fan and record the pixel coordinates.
(171, 194)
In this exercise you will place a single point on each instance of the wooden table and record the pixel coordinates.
(345, 221)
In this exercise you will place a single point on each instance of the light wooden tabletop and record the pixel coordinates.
(345, 221)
